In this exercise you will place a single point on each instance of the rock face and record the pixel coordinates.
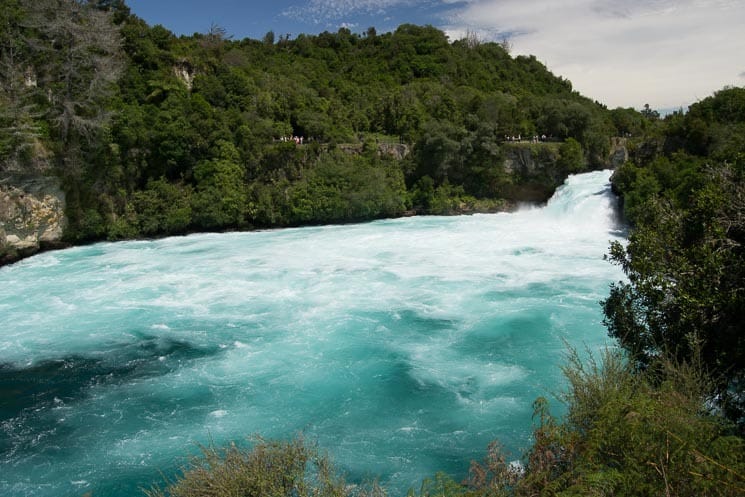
(534, 170)
(184, 71)
(619, 152)
(32, 215)
(396, 151)
(530, 160)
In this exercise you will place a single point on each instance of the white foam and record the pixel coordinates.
(319, 329)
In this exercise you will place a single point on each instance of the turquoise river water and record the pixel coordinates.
(403, 347)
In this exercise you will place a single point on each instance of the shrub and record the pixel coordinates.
(269, 469)
(628, 433)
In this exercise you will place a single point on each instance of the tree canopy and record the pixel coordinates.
(685, 295)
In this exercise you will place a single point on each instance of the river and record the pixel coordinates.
(403, 347)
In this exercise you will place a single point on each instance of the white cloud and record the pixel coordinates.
(666, 53)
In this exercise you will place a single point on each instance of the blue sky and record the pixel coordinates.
(253, 19)
(668, 53)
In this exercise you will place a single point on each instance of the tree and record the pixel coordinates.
(685, 296)
(163, 207)
(571, 159)
(221, 196)
(18, 128)
(215, 39)
(119, 9)
(649, 113)
(270, 468)
(506, 44)
(438, 152)
(77, 56)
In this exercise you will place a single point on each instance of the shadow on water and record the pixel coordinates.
(606, 190)
(403, 322)
(69, 379)
(619, 224)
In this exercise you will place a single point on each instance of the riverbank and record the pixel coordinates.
(33, 216)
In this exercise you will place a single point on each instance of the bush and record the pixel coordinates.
(628, 433)
(269, 469)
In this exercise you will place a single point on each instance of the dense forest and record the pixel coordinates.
(153, 134)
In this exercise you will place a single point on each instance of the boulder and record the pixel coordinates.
(32, 215)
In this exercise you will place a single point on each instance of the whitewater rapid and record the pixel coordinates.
(402, 346)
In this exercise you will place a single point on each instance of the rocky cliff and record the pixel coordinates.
(619, 152)
(32, 215)
(536, 172)
(397, 151)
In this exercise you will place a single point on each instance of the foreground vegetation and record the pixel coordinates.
(685, 298)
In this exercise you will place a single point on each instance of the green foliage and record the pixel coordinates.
(494, 476)
(625, 433)
(221, 198)
(163, 207)
(345, 187)
(441, 485)
(627, 122)
(438, 150)
(685, 293)
(162, 107)
(268, 469)
(571, 158)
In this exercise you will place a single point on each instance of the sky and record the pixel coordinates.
(622, 53)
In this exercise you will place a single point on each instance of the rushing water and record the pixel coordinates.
(402, 346)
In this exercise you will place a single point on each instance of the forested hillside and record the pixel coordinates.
(155, 134)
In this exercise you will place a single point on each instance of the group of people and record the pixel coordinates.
(297, 139)
(510, 138)
(519, 138)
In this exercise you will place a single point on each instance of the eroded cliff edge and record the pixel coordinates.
(537, 170)
(32, 215)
